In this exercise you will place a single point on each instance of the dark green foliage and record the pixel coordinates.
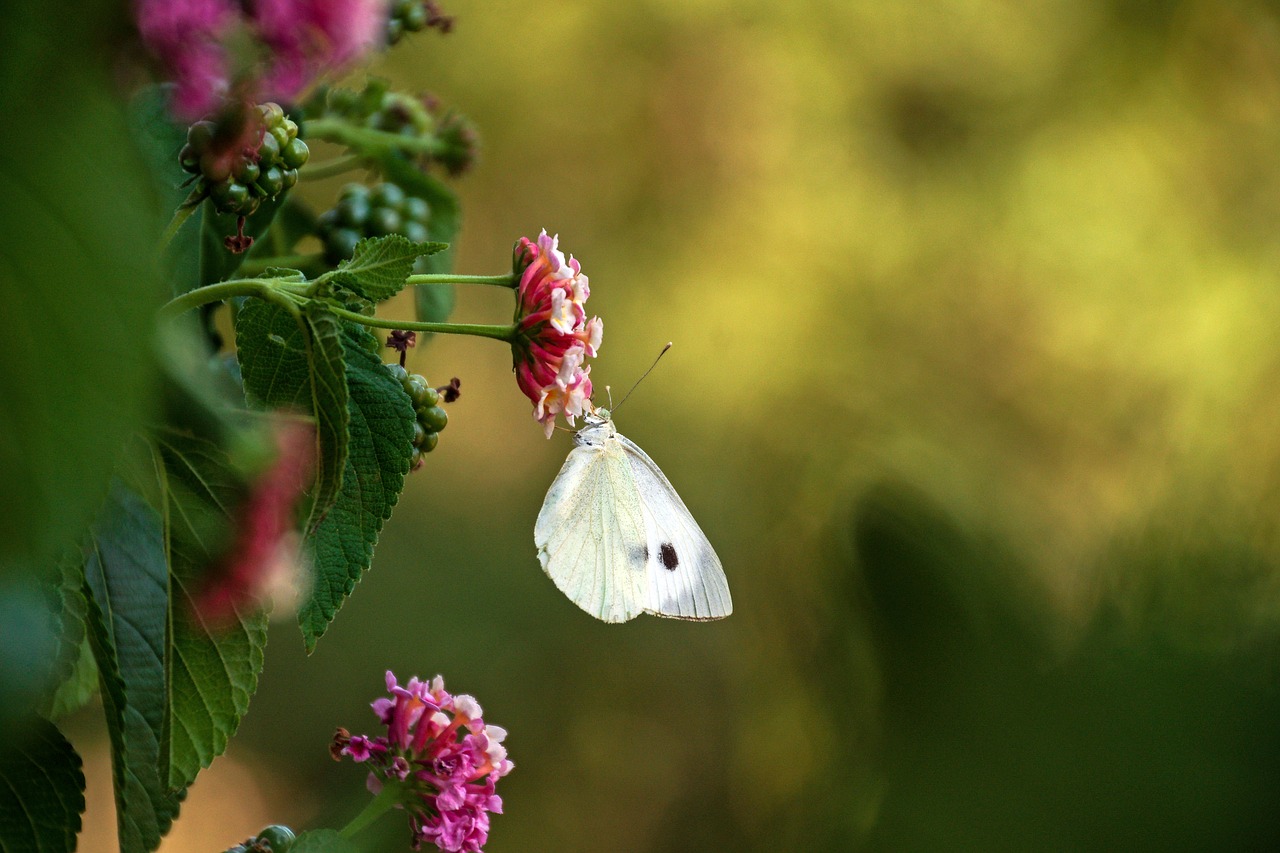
(380, 445)
(43, 791)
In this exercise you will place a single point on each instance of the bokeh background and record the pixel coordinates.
(975, 389)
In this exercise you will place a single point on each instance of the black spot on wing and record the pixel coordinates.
(667, 554)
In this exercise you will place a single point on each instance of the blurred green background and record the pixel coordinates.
(975, 390)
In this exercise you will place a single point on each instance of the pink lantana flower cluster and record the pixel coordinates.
(443, 756)
(553, 335)
(209, 47)
(265, 547)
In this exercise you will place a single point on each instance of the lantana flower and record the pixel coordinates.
(441, 756)
(202, 44)
(266, 541)
(553, 335)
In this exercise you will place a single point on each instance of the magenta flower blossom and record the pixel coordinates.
(265, 545)
(443, 756)
(299, 40)
(554, 336)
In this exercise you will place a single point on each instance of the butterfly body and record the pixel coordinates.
(617, 540)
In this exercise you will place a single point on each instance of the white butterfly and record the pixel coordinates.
(616, 538)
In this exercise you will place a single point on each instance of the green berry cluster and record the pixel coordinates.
(377, 107)
(414, 16)
(273, 839)
(370, 212)
(432, 418)
(241, 168)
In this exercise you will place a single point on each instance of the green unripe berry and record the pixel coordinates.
(433, 418)
(395, 30)
(230, 196)
(271, 182)
(419, 434)
(415, 18)
(397, 372)
(341, 244)
(416, 209)
(415, 459)
(271, 113)
(295, 153)
(290, 178)
(200, 136)
(291, 127)
(387, 195)
(246, 171)
(415, 231)
(189, 159)
(279, 837)
(430, 442)
(383, 221)
(417, 388)
(352, 190)
(430, 397)
(281, 134)
(352, 210)
(268, 150)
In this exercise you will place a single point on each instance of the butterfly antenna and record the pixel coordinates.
(613, 408)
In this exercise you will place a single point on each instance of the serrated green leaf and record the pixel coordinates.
(128, 596)
(41, 791)
(381, 435)
(211, 674)
(68, 610)
(80, 685)
(379, 266)
(76, 260)
(298, 364)
(322, 841)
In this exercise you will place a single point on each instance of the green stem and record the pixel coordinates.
(498, 333)
(377, 807)
(505, 280)
(262, 288)
(337, 166)
(365, 139)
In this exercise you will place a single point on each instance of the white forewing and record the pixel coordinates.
(591, 532)
(685, 578)
(616, 538)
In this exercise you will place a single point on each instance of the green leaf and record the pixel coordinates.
(127, 581)
(322, 841)
(381, 436)
(297, 363)
(74, 673)
(211, 672)
(159, 139)
(41, 791)
(79, 686)
(378, 268)
(77, 279)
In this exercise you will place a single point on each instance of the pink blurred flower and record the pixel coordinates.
(448, 762)
(265, 543)
(298, 39)
(554, 336)
(309, 37)
(187, 37)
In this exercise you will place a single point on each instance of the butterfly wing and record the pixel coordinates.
(591, 533)
(684, 577)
